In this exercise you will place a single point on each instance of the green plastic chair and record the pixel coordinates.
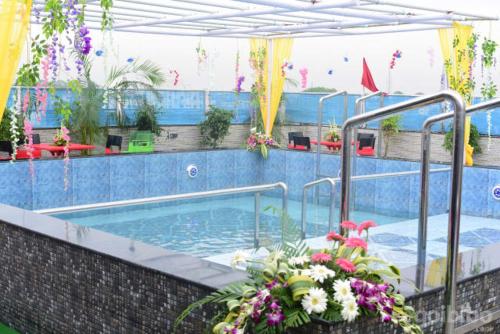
(141, 142)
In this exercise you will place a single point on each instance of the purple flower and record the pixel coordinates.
(271, 285)
(275, 305)
(275, 318)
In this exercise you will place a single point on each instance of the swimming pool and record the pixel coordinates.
(208, 227)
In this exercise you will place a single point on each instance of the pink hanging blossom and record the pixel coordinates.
(28, 132)
(41, 88)
(176, 76)
(303, 73)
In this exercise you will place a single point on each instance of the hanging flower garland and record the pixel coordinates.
(257, 63)
(286, 66)
(239, 78)
(240, 81)
(396, 55)
(202, 56)
(303, 77)
(14, 119)
(488, 88)
(176, 75)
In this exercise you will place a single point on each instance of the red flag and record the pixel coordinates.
(367, 79)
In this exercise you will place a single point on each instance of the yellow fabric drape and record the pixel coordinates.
(454, 49)
(281, 51)
(14, 21)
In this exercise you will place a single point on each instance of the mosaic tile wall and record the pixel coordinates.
(188, 108)
(50, 286)
(111, 178)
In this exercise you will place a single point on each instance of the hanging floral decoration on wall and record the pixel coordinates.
(303, 77)
(286, 66)
(430, 54)
(14, 121)
(176, 75)
(488, 88)
(240, 81)
(202, 56)
(330, 72)
(294, 283)
(396, 55)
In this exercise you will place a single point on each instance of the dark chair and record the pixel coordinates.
(6, 146)
(301, 143)
(36, 138)
(366, 146)
(365, 135)
(294, 134)
(115, 141)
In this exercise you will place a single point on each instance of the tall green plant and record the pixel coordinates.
(146, 118)
(473, 139)
(215, 127)
(390, 127)
(85, 118)
(124, 82)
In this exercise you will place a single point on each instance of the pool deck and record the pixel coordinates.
(397, 242)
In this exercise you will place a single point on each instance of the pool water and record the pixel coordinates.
(209, 227)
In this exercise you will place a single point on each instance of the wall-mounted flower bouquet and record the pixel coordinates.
(61, 138)
(259, 142)
(294, 284)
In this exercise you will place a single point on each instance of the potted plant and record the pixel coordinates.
(390, 127)
(215, 127)
(145, 119)
(473, 139)
(333, 133)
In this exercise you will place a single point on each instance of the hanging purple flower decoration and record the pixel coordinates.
(330, 72)
(130, 60)
(239, 83)
(99, 53)
(290, 67)
(82, 42)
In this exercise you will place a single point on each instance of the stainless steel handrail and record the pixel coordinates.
(320, 123)
(456, 179)
(320, 126)
(334, 180)
(424, 190)
(202, 194)
(329, 180)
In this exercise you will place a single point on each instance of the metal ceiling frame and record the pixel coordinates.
(274, 18)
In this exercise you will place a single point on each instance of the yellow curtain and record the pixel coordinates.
(14, 21)
(458, 66)
(281, 50)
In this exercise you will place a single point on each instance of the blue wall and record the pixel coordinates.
(111, 178)
(188, 108)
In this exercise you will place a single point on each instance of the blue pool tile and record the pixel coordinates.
(392, 196)
(160, 174)
(493, 204)
(16, 184)
(366, 166)
(439, 189)
(48, 185)
(91, 180)
(414, 199)
(475, 191)
(247, 168)
(186, 184)
(393, 240)
(330, 165)
(274, 168)
(221, 169)
(126, 177)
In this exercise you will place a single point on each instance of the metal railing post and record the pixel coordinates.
(319, 130)
(256, 238)
(388, 111)
(453, 229)
(333, 183)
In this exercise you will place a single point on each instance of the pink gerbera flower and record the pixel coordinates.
(332, 236)
(321, 257)
(365, 226)
(349, 225)
(355, 243)
(346, 265)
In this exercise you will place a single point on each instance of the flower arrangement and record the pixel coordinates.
(333, 133)
(258, 141)
(61, 138)
(295, 283)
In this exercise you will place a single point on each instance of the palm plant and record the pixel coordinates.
(85, 119)
(123, 82)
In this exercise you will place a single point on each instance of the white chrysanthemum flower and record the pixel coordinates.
(349, 310)
(343, 291)
(319, 273)
(299, 260)
(240, 258)
(315, 301)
